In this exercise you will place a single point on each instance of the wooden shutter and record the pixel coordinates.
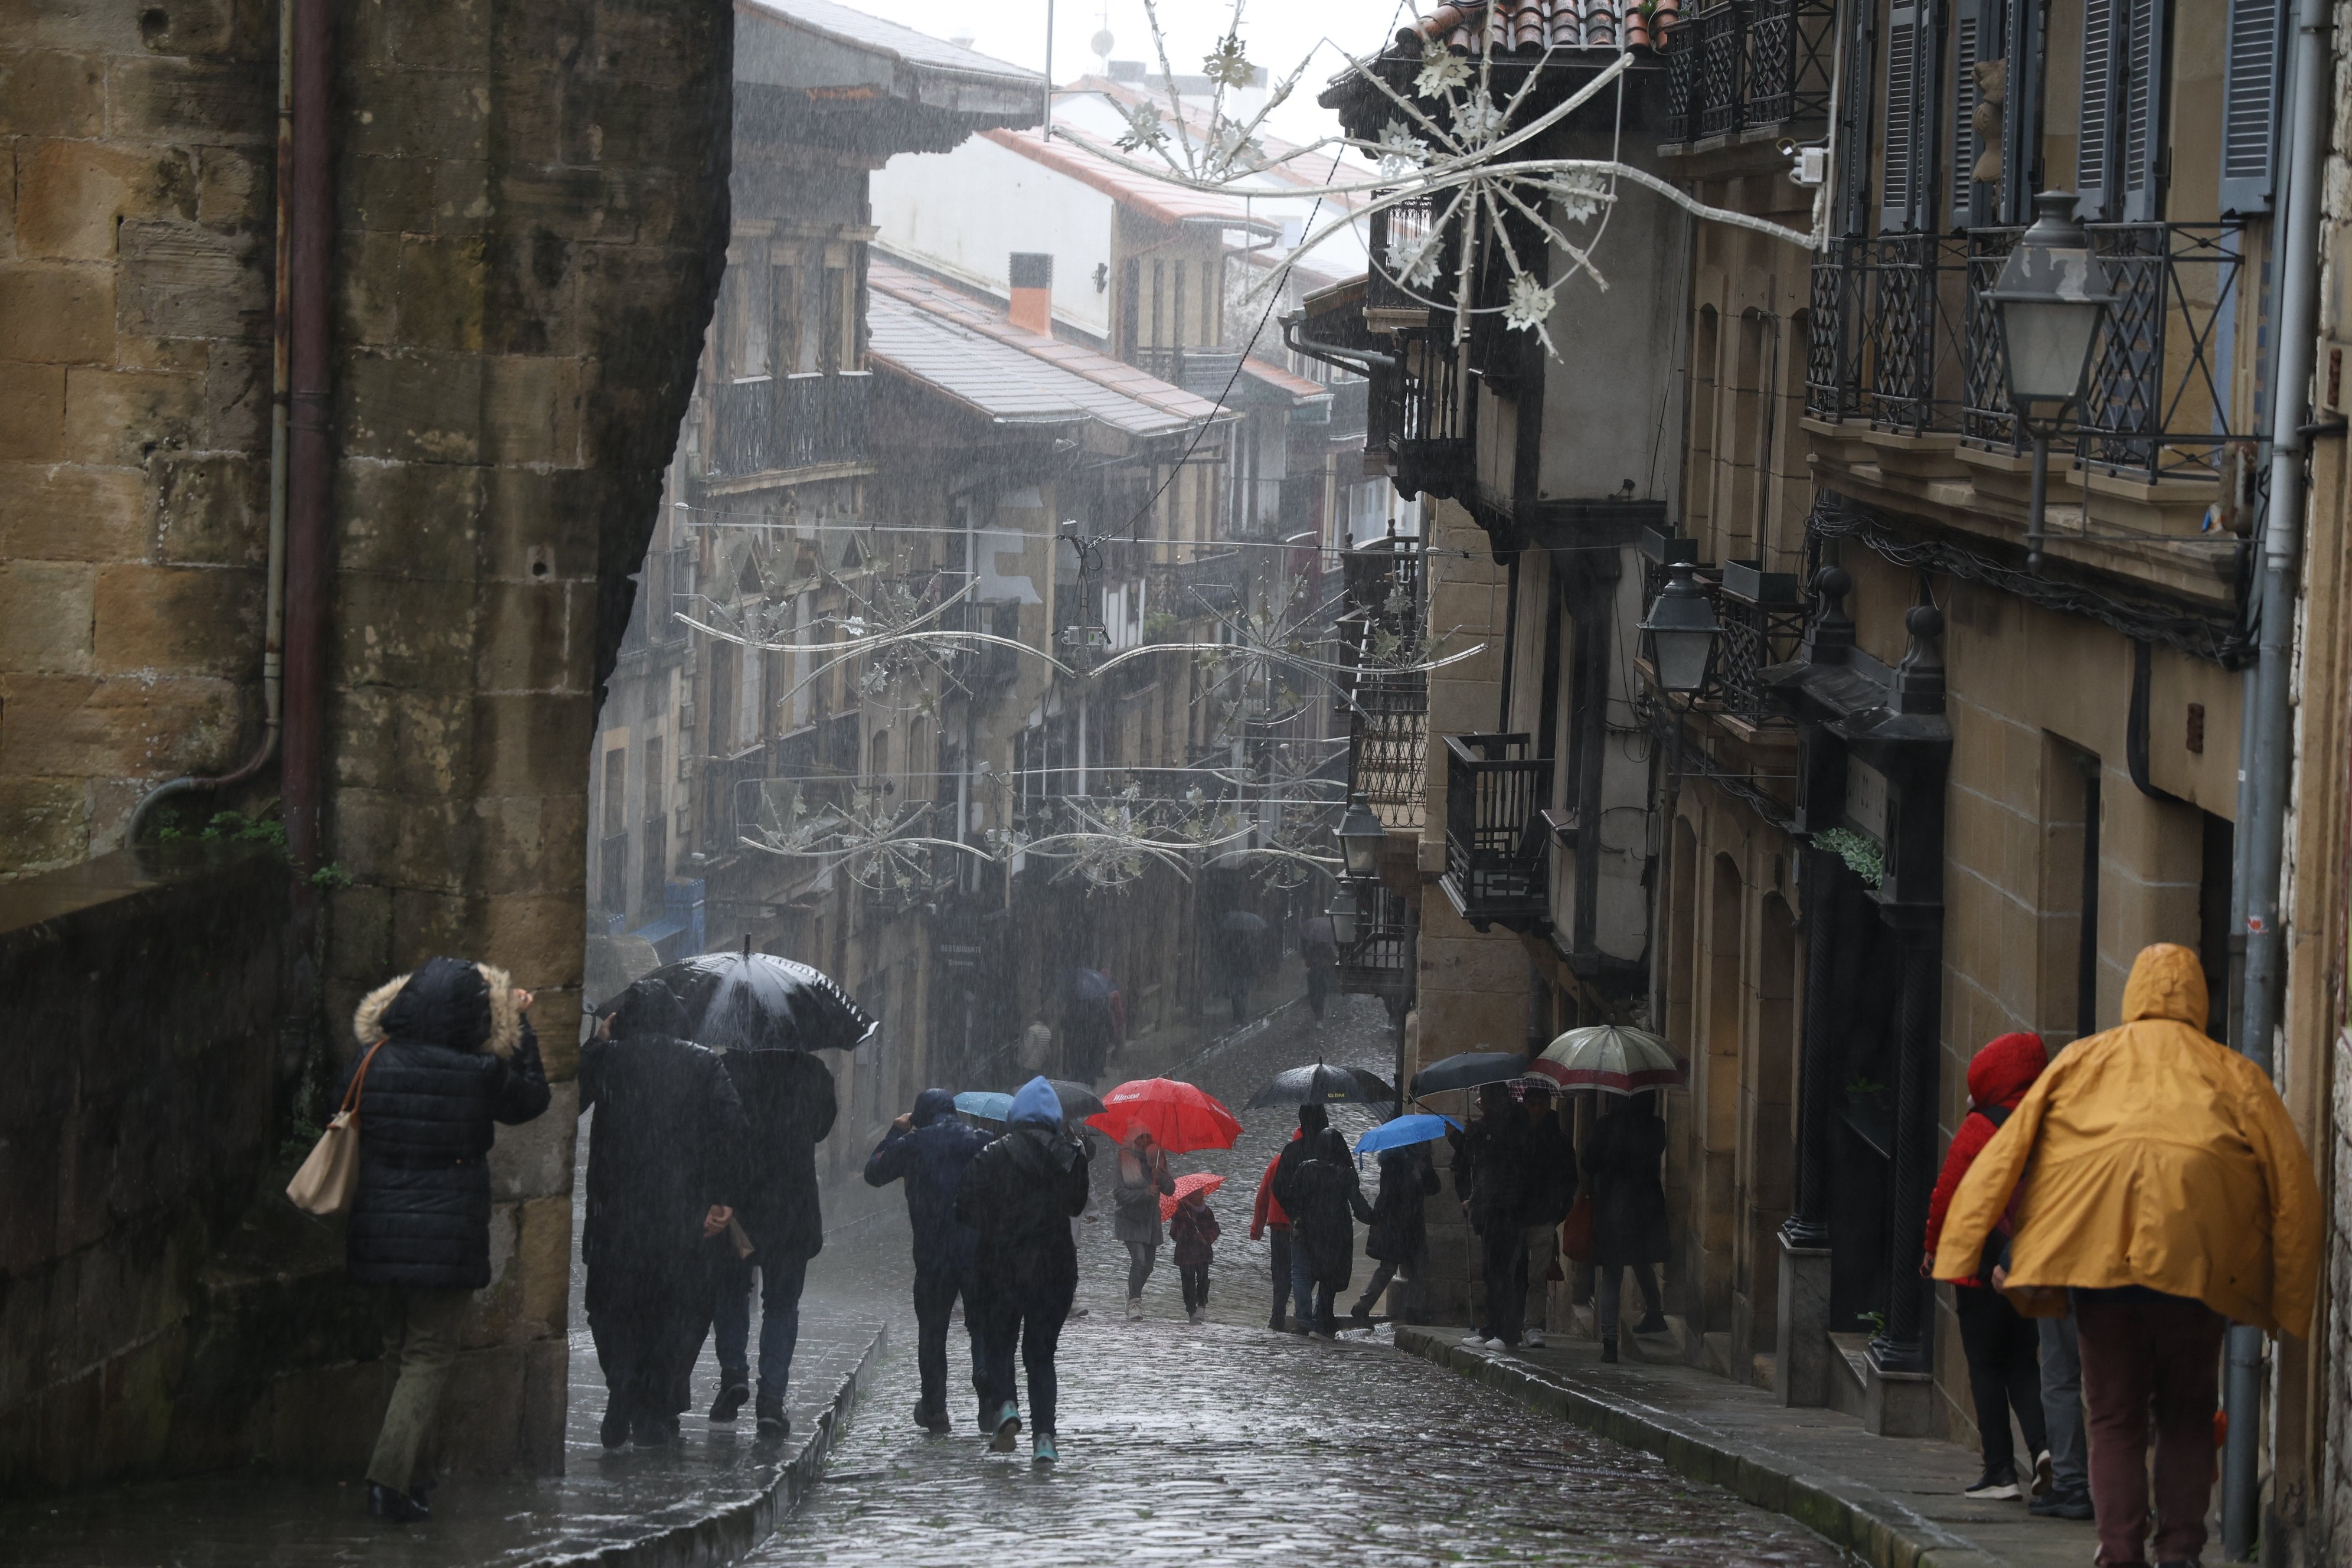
(2020, 111)
(1976, 35)
(2143, 151)
(1900, 198)
(2095, 148)
(2249, 103)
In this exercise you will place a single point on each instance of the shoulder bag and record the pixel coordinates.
(328, 1179)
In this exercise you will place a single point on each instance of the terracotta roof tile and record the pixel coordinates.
(1543, 25)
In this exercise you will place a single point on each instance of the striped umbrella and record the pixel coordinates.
(1612, 1059)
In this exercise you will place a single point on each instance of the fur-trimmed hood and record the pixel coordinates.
(505, 1013)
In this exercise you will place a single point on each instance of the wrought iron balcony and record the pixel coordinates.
(1763, 617)
(771, 426)
(1904, 337)
(1377, 963)
(1750, 65)
(1430, 439)
(1494, 833)
(1400, 233)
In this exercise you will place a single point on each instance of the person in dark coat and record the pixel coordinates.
(1548, 1193)
(1398, 1238)
(447, 1055)
(1493, 1160)
(1194, 1230)
(1621, 1159)
(928, 1149)
(1315, 1181)
(789, 1100)
(1020, 1194)
(1319, 950)
(665, 1165)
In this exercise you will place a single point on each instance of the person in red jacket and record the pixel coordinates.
(2002, 1346)
(1265, 1219)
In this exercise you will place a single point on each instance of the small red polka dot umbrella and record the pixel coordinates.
(1181, 1117)
(1201, 1181)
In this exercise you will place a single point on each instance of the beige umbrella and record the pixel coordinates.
(1612, 1059)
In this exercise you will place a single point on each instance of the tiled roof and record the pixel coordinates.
(1542, 25)
(1274, 375)
(930, 332)
(1137, 192)
(902, 44)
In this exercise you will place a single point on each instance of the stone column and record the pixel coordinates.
(1801, 1350)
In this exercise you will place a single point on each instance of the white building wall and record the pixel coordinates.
(964, 213)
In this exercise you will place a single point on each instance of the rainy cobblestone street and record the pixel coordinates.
(1225, 1443)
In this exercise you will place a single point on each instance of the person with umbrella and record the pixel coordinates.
(1492, 1162)
(1398, 1238)
(1194, 1231)
(927, 1148)
(1622, 1161)
(1018, 1195)
(1548, 1194)
(1143, 1178)
(664, 1168)
(1240, 936)
(1089, 1023)
(1315, 1179)
(788, 1097)
(1319, 949)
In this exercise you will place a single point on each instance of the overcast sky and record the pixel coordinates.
(1279, 34)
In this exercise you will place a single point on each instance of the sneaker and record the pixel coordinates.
(1996, 1485)
(2042, 1473)
(1134, 1308)
(1476, 1342)
(1008, 1427)
(1197, 1315)
(734, 1393)
(1041, 1450)
(398, 1507)
(928, 1418)
(1496, 1345)
(2057, 1504)
(773, 1421)
(1533, 1339)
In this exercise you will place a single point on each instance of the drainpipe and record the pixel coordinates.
(310, 456)
(273, 619)
(2263, 798)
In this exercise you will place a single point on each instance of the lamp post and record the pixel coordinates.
(2050, 298)
(1682, 629)
(1361, 836)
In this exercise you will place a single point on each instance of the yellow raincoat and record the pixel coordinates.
(2152, 1155)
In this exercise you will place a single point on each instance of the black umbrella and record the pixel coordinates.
(1468, 1071)
(1241, 923)
(1322, 1085)
(1079, 1101)
(757, 1002)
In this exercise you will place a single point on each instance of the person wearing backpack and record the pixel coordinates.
(2002, 1345)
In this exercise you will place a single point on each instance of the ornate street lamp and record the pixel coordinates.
(1361, 837)
(1343, 916)
(2050, 297)
(1682, 629)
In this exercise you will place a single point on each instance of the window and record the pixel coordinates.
(616, 791)
(2121, 162)
(1907, 173)
(2250, 100)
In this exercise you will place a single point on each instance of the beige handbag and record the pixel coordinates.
(330, 1176)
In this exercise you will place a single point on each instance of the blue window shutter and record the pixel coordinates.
(2095, 149)
(1965, 46)
(2249, 103)
(2140, 139)
(1899, 136)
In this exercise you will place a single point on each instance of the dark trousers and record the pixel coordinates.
(1027, 1315)
(780, 1281)
(1195, 1277)
(1319, 986)
(1278, 1240)
(1409, 1311)
(649, 1328)
(2149, 1358)
(936, 1290)
(1503, 1256)
(2004, 1351)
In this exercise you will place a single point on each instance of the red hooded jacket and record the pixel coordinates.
(1999, 1074)
(1269, 1212)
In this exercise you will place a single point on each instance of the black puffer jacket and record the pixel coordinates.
(788, 1098)
(456, 1058)
(1399, 1232)
(1020, 1194)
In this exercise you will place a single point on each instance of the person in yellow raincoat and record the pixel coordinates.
(2152, 1173)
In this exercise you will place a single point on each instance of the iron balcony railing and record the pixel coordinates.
(1375, 963)
(770, 426)
(1904, 338)
(1388, 746)
(1495, 835)
(1399, 247)
(1430, 443)
(1750, 65)
(1763, 614)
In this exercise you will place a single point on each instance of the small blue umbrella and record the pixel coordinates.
(985, 1105)
(1422, 1128)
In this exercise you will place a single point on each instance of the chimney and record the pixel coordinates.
(1032, 292)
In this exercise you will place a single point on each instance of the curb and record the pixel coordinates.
(1876, 1529)
(732, 1529)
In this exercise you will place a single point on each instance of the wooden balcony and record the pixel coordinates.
(1495, 833)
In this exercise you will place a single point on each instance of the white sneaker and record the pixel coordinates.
(1476, 1342)
(1496, 1345)
(1532, 1339)
(1134, 1308)
(1196, 1315)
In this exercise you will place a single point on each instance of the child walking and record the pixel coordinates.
(1194, 1229)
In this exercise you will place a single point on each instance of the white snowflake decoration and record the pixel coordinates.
(1476, 122)
(1399, 153)
(1529, 306)
(1414, 261)
(1442, 71)
(1579, 194)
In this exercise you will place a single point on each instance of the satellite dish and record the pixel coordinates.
(1101, 44)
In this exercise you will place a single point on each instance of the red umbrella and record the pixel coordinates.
(1180, 1117)
(1200, 1182)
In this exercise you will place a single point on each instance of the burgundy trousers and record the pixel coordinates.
(2150, 1360)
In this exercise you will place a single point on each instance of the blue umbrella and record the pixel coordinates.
(985, 1105)
(1417, 1129)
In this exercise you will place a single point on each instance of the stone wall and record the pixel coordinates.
(530, 211)
(141, 1063)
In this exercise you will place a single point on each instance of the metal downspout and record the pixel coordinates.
(273, 619)
(2267, 784)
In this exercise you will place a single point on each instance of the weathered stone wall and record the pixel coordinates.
(141, 1063)
(530, 217)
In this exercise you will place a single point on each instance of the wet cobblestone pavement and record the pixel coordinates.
(1224, 1442)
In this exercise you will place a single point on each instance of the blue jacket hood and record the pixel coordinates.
(932, 1104)
(1036, 1104)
